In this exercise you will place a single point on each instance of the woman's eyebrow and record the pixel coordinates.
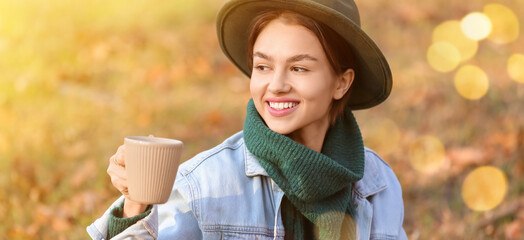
(295, 58)
(263, 56)
(301, 57)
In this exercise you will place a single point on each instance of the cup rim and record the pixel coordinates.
(146, 140)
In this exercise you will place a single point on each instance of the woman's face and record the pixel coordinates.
(292, 83)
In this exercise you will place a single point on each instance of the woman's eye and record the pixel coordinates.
(261, 67)
(299, 69)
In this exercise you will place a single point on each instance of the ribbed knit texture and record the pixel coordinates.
(117, 224)
(318, 185)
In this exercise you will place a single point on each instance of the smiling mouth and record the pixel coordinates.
(282, 105)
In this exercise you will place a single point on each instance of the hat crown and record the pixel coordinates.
(346, 8)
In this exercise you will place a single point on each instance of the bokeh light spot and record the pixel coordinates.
(427, 154)
(505, 24)
(516, 67)
(476, 26)
(451, 31)
(471, 82)
(380, 130)
(484, 188)
(443, 56)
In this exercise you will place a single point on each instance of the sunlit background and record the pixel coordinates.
(76, 77)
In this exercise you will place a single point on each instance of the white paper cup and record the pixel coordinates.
(151, 167)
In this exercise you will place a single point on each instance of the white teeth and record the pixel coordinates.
(280, 106)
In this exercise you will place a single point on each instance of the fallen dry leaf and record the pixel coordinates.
(463, 157)
(513, 230)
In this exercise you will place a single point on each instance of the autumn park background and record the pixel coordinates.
(78, 76)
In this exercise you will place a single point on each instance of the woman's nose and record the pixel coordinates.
(279, 83)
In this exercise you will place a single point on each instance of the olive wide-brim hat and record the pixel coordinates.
(373, 80)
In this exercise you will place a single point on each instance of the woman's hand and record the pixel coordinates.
(117, 172)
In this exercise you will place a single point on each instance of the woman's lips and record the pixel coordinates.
(281, 107)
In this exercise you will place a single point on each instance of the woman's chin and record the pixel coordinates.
(280, 129)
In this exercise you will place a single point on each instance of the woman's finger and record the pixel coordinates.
(120, 185)
(115, 170)
(119, 156)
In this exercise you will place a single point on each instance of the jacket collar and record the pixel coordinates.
(372, 183)
(373, 180)
(253, 167)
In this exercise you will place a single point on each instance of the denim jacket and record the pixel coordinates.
(224, 193)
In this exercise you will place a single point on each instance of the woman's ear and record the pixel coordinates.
(344, 81)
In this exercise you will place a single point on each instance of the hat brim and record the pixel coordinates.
(373, 81)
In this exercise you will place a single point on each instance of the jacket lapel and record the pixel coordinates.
(252, 166)
(371, 184)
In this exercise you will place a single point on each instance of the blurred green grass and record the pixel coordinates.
(76, 77)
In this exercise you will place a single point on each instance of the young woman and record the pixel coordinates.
(299, 169)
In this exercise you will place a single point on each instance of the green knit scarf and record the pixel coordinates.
(317, 185)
